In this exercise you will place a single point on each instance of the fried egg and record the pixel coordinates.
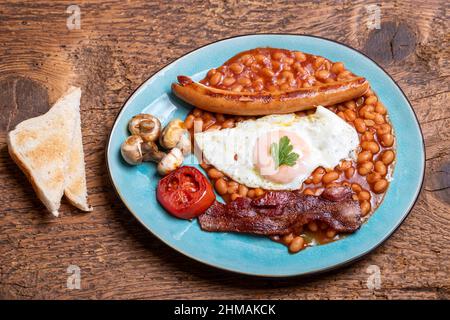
(278, 152)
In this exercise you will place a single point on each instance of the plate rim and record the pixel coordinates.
(276, 276)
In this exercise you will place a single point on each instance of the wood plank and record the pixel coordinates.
(119, 45)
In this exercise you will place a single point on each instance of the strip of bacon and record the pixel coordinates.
(282, 212)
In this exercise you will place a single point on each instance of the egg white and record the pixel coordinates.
(329, 138)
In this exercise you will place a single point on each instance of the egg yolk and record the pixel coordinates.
(264, 161)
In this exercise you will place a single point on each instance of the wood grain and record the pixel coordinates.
(119, 45)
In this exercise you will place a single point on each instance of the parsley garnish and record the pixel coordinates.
(282, 153)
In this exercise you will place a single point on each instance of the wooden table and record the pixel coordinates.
(119, 45)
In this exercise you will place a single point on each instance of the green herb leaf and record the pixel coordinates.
(282, 153)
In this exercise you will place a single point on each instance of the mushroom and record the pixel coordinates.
(131, 150)
(170, 162)
(150, 152)
(184, 144)
(146, 126)
(175, 135)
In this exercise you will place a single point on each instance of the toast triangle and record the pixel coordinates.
(76, 189)
(40, 147)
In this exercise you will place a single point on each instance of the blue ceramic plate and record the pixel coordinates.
(251, 254)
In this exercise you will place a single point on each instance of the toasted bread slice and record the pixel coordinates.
(76, 189)
(40, 146)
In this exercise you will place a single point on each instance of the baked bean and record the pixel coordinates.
(330, 177)
(387, 157)
(350, 115)
(299, 56)
(379, 108)
(322, 74)
(207, 116)
(287, 75)
(244, 81)
(220, 117)
(276, 66)
(344, 165)
(350, 105)
(251, 193)
(308, 192)
(371, 146)
(387, 140)
(360, 126)
(232, 187)
(216, 79)
(221, 186)
(318, 62)
(317, 177)
(284, 87)
(364, 156)
(369, 115)
(287, 239)
(312, 226)
(380, 186)
(356, 187)
(288, 61)
(197, 112)
(211, 73)
(379, 119)
(337, 67)
(228, 81)
(365, 207)
(344, 75)
(228, 123)
(260, 58)
(367, 136)
(380, 168)
(368, 93)
(213, 173)
(367, 108)
(371, 100)
(373, 177)
(365, 168)
(204, 166)
(363, 195)
(349, 172)
(237, 68)
(259, 192)
(234, 196)
(242, 190)
(189, 121)
(369, 122)
(341, 115)
(237, 88)
(278, 55)
(296, 245)
(267, 72)
(383, 129)
(331, 233)
(355, 197)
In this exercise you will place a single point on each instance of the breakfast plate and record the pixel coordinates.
(253, 254)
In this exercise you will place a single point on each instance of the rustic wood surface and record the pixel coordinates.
(119, 45)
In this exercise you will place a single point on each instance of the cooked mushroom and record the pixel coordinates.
(184, 144)
(131, 149)
(172, 134)
(170, 162)
(146, 126)
(150, 152)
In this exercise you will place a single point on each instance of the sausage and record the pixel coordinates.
(264, 103)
